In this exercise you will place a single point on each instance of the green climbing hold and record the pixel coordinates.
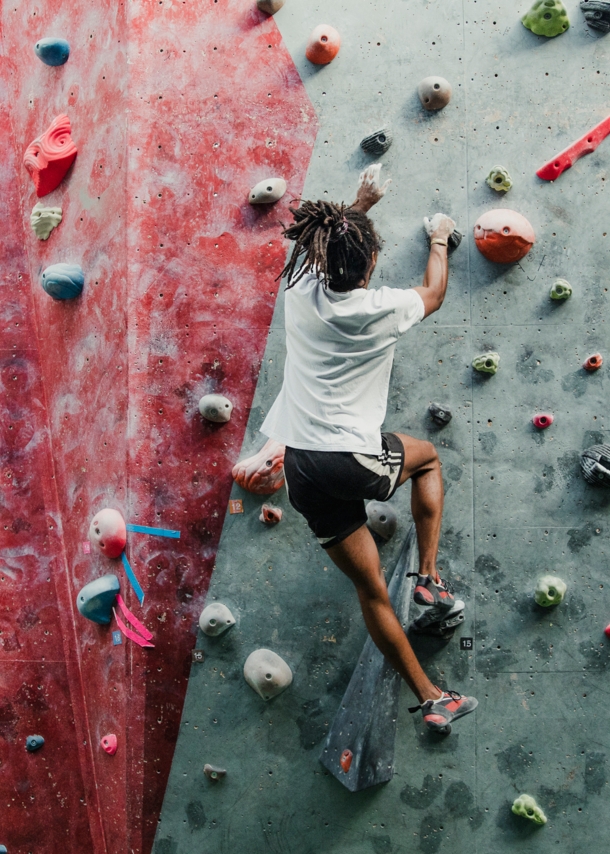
(550, 590)
(547, 18)
(561, 289)
(527, 807)
(499, 179)
(487, 363)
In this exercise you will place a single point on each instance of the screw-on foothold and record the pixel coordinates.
(503, 236)
(561, 290)
(441, 415)
(323, 45)
(499, 179)
(109, 743)
(346, 760)
(593, 363)
(550, 590)
(267, 191)
(215, 619)
(52, 51)
(63, 281)
(434, 93)
(486, 363)
(108, 533)
(33, 743)
(542, 420)
(216, 407)
(270, 515)
(377, 143)
(213, 773)
(597, 14)
(381, 518)
(595, 465)
(267, 673)
(527, 807)
(546, 18)
(44, 219)
(270, 6)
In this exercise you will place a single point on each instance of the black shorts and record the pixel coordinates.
(329, 487)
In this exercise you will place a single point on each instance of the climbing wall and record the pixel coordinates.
(516, 504)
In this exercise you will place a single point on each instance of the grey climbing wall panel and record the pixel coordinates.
(516, 506)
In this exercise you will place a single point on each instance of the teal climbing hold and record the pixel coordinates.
(547, 18)
(96, 599)
(52, 51)
(63, 281)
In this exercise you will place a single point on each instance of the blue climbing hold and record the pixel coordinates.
(52, 52)
(33, 743)
(3, 849)
(63, 281)
(96, 599)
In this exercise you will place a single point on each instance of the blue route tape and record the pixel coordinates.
(157, 532)
(132, 578)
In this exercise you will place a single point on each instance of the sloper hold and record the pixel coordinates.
(50, 155)
(597, 14)
(323, 45)
(503, 236)
(381, 518)
(377, 143)
(63, 281)
(44, 219)
(267, 673)
(486, 363)
(267, 192)
(109, 743)
(560, 290)
(270, 6)
(595, 465)
(52, 51)
(527, 807)
(216, 407)
(434, 93)
(262, 473)
(108, 532)
(546, 18)
(96, 599)
(550, 590)
(215, 619)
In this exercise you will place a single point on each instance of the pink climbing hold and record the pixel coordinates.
(262, 473)
(270, 515)
(108, 533)
(109, 743)
(593, 363)
(566, 158)
(50, 155)
(607, 631)
(346, 760)
(542, 420)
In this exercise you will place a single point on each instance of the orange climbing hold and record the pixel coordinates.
(323, 45)
(593, 363)
(346, 760)
(50, 155)
(503, 236)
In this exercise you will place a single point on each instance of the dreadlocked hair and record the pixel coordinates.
(334, 241)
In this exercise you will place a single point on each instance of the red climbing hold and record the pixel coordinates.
(323, 45)
(593, 363)
(566, 158)
(109, 743)
(542, 420)
(108, 532)
(263, 473)
(270, 515)
(346, 760)
(503, 236)
(49, 157)
(607, 631)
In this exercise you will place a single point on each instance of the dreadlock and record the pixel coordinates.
(335, 241)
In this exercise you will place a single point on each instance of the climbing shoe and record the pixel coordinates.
(439, 714)
(428, 592)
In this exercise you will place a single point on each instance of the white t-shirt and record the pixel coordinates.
(340, 348)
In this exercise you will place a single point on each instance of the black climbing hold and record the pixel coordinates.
(96, 599)
(441, 415)
(597, 14)
(595, 465)
(33, 743)
(452, 244)
(377, 143)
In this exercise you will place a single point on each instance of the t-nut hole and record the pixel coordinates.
(506, 230)
(268, 677)
(381, 137)
(269, 189)
(437, 85)
(324, 39)
(382, 518)
(212, 621)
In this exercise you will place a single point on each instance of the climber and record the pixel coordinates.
(340, 341)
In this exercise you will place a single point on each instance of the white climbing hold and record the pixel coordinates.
(215, 619)
(44, 219)
(268, 191)
(267, 673)
(216, 407)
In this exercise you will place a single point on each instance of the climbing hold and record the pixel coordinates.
(215, 619)
(270, 6)
(267, 673)
(263, 473)
(434, 93)
(454, 240)
(377, 143)
(3, 849)
(96, 599)
(346, 760)
(595, 465)
(503, 236)
(109, 743)
(50, 155)
(566, 158)
(546, 18)
(213, 773)
(63, 281)
(561, 290)
(499, 179)
(486, 363)
(52, 51)
(597, 14)
(550, 591)
(270, 515)
(33, 743)
(43, 220)
(441, 415)
(542, 420)
(381, 518)
(268, 191)
(216, 407)
(526, 806)
(108, 532)
(593, 363)
(323, 45)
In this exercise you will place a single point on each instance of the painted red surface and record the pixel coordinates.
(176, 110)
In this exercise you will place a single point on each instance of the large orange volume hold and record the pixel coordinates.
(49, 157)
(503, 236)
(323, 45)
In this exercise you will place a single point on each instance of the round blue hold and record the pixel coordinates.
(33, 743)
(52, 51)
(63, 281)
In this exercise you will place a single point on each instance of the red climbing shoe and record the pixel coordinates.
(428, 592)
(440, 714)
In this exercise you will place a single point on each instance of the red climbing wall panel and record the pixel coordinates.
(177, 109)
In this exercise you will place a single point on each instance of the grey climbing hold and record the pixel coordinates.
(527, 807)
(44, 219)
(267, 673)
(486, 363)
(215, 619)
(213, 773)
(96, 599)
(595, 465)
(52, 51)
(268, 191)
(561, 290)
(270, 6)
(455, 238)
(34, 743)
(434, 93)
(550, 590)
(499, 179)
(597, 14)
(377, 143)
(441, 415)
(63, 281)
(216, 407)
(381, 518)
